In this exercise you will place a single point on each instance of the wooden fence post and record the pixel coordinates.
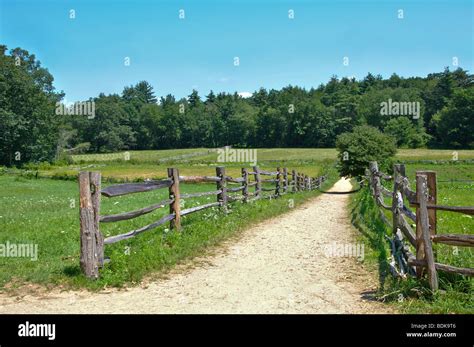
(95, 181)
(175, 207)
(258, 182)
(375, 179)
(278, 179)
(285, 180)
(245, 184)
(401, 169)
(222, 185)
(396, 197)
(89, 259)
(422, 217)
(397, 205)
(294, 180)
(431, 199)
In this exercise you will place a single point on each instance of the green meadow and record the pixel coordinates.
(45, 211)
(138, 165)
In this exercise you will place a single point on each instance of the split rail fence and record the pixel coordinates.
(424, 199)
(93, 242)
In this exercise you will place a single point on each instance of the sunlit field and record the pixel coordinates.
(137, 165)
(45, 211)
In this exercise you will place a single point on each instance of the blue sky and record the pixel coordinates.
(86, 54)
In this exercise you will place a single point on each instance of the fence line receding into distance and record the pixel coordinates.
(93, 242)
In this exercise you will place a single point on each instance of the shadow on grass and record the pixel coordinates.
(72, 271)
(365, 218)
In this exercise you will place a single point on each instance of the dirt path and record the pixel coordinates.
(279, 266)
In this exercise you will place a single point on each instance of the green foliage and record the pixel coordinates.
(370, 105)
(406, 133)
(29, 127)
(455, 122)
(290, 117)
(142, 92)
(363, 145)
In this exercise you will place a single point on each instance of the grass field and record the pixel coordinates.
(45, 211)
(202, 161)
(199, 161)
(203, 155)
(208, 155)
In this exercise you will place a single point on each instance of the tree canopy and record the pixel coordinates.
(29, 128)
(291, 117)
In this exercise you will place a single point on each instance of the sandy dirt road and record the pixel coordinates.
(278, 266)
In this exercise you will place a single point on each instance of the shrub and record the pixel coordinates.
(363, 145)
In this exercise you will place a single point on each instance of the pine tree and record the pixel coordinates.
(194, 99)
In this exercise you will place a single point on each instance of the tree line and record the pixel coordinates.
(31, 131)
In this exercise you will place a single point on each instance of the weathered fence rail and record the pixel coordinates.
(228, 190)
(424, 199)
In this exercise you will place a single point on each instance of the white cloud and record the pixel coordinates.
(67, 103)
(245, 94)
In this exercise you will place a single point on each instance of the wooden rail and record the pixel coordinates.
(92, 240)
(424, 198)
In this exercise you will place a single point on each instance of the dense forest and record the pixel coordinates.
(31, 129)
